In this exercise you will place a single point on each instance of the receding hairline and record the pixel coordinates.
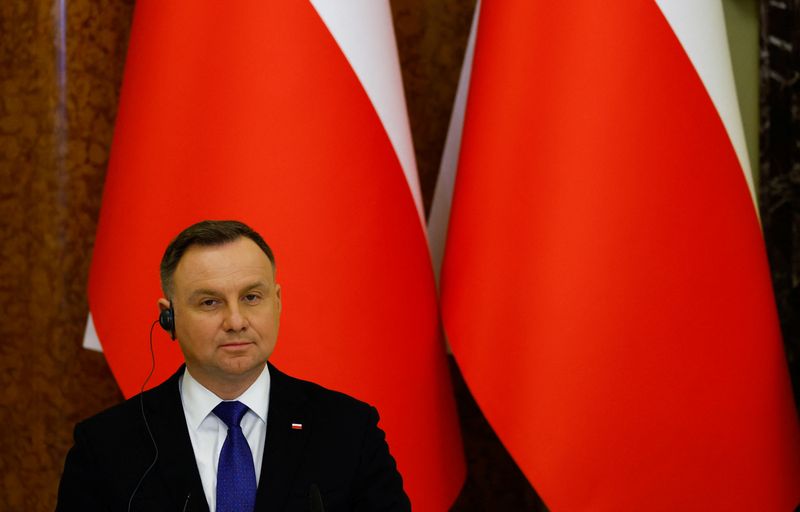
(222, 245)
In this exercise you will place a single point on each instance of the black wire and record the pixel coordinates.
(144, 417)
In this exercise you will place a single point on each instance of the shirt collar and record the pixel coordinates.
(199, 401)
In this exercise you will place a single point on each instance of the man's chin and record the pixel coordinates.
(244, 364)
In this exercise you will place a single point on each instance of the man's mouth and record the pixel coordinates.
(236, 344)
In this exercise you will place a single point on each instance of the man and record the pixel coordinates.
(228, 431)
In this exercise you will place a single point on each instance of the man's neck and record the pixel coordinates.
(228, 387)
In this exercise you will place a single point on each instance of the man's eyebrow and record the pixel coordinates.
(203, 291)
(215, 293)
(257, 284)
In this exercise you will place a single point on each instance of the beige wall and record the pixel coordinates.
(742, 19)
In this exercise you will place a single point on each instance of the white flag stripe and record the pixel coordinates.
(363, 30)
(700, 28)
(90, 339)
(443, 195)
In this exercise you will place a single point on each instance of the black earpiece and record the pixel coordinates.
(167, 320)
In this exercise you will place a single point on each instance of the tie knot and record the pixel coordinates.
(231, 413)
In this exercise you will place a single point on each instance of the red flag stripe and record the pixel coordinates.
(604, 289)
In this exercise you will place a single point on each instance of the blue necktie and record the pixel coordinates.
(236, 475)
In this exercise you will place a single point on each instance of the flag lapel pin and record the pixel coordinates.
(297, 426)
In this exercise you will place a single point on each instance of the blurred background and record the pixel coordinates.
(61, 64)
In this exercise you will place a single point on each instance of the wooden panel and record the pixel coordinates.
(431, 40)
(56, 116)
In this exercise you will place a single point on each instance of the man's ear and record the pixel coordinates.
(163, 304)
(278, 295)
(166, 317)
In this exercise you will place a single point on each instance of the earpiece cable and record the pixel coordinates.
(144, 417)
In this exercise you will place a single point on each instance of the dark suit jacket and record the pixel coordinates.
(340, 449)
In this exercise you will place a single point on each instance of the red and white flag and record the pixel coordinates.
(288, 116)
(605, 288)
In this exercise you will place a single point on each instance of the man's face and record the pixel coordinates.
(227, 311)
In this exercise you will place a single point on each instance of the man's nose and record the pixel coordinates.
(234, 320)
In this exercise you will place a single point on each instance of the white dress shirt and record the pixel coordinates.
(208, 433)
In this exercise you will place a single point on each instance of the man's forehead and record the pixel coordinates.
(233, 260)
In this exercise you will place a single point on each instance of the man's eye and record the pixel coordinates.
(252, 298)
(208, 303)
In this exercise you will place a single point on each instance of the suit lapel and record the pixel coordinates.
(285, 444)
(176, 462)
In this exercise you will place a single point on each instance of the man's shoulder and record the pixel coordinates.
(321, 398)
(128, 413)
(346, 452)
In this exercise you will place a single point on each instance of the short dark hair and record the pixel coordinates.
(206, 233)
